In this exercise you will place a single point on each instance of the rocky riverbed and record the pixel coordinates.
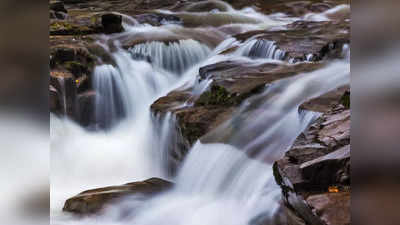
(297, 37)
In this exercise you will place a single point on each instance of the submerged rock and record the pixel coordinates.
(93, 201)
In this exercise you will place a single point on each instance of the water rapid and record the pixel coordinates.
(226, 177)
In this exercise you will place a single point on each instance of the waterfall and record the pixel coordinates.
(111, 99)
(263, 49)
(226, 177)
(174, 56)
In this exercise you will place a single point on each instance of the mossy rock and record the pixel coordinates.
(345, 100)
(217, 95)
(67, 28)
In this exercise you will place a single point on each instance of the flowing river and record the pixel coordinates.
(218, 182)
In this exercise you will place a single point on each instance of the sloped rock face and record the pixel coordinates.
(232, 82)
(315, 173)
(93, 201)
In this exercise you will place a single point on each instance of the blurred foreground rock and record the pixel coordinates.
(93, 201)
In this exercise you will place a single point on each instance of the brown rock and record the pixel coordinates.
(331, 208)
(93, 201)
(315, 175)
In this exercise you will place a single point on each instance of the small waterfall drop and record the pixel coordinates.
(175, 57)
(263, 49)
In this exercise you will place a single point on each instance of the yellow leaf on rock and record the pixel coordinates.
(333, 189)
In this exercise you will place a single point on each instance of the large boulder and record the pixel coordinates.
(93, 201)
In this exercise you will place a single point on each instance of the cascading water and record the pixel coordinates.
(175, 57)
(110, 100)
(263, 49)
(227, 177)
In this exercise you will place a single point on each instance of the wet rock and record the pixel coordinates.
(329, 169)
(314, 174)
(76, 59)
(112, 23)
(141, 57)
(232, 82)
(57, 6)
(329, 100)
(86, 108)
(240, 79)
(54, 101)
(305, 40)
(93, 201)
(70, 28)
(64, 84)
(331, 208)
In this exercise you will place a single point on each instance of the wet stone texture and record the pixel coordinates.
(314, 174)
(94, 201)
(232, 83)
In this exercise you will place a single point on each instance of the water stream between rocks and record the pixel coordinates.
(226, 178)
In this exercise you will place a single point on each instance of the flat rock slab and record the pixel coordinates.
(93, 201)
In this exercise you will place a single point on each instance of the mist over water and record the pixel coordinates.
(226, 178)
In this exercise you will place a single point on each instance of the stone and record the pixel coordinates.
(112, 23)
(314, 175)
(330, 169)
(331, 208)
(57, 6)
(64, 84)
(86, 108)
(94, 201)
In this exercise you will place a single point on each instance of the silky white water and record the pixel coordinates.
(227, 181)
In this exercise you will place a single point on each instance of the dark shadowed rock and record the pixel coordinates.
(93, 201)
(86, 108)
(64, 84)
(330, 169)
(329, 100)
(54, 101)
(57, 6)
(112, 23)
